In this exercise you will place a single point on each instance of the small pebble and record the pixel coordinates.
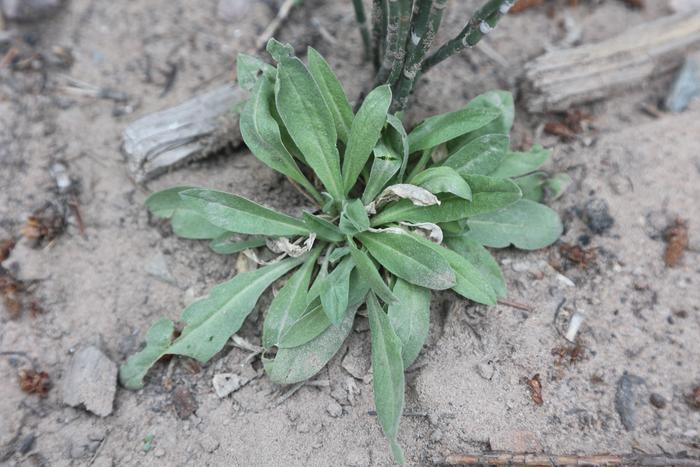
(657, 400)
(334, 409)
(159, 452)
(596, 215)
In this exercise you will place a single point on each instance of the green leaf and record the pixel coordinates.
(261, 134)
(441, 128)
(387, 374)
(406, 257)
(227, 245)
(338, 254)
(249, 69)
(353, 218)
(443, 180)
(289, 304)
(187, 223)
(236, 214)
(385, 165)
(279, 50)
(556, 185)
(332, 92)
(410, 318)
(480, 156)
(324, 229)
(532, 186)
(515, 163)
(309, 122)
(164, 203)
(488, 194)
(335, 291)
(364, 133)
(293, 365)
(502, 101)
(398, 139)
(158, 339)
(212, 320)
(369, 271)
(479, 256)
(526, 224)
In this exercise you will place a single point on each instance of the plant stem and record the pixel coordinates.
(393, 51)
(405, 13)
(364, 30)
(483, 21)
(378, 31)
(425, 27)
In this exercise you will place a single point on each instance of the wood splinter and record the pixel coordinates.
(508, 458)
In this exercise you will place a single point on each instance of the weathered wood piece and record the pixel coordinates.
(561, 78)
(189, 131)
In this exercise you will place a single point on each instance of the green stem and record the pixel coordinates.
(364, 30)
(424, 30)
(398, 24)
(405, 12)
(378, 31)
(483, 21)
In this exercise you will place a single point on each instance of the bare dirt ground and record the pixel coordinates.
(468, 391)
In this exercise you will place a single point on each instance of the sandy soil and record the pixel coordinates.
(468, 391)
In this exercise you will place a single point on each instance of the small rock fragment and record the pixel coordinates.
(226, 383)
(209, 443)
(334, 409)
(628, 397)
(91, 381)
(485, 370)
(657, 400)
(25, 444)
(158, 268)
(596, 215)
(436, 436)
(686, 87)
(233, 10)
(29, 10)
(183, 402)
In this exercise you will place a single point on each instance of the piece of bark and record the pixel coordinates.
(189, 131)
(561, 78)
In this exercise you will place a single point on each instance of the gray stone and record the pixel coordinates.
(158, 268)
(226, 383)
(686, 86)
(628, 397)
(90, 381)
(234, 10)
(209, 443)
(29, 10)
(334, 409)
(596, 215)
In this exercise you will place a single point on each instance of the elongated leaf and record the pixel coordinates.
(261, 134)
(279, 50)
(387, 370)
(556, 185)
(225, 245)
(309, 122)
(397, 138)
(236, 214)
(532, 186)
(186, 223)
(158, 339)
(502, 101)
(164, 203)
(385, 165)
(488, 194)
(515, 163)
(369, 271)
(323, 228)
(289, 304)
(441, 128)
(526, 224)
(333, 93)
(293, 365)
(479, 256)
(480, 156)
(410, 318)
(335, 291)
(443, 180)
(212, 320)
(364, 133)
(249, 69)
(353, 218)
(409, 259)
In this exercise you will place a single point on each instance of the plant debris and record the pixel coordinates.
(676, 237)
(44, 225)
(6, 246)
(578, 255)
(693, 398)
(535, 386)
(569, 354)
(34, 382)
(522, 5)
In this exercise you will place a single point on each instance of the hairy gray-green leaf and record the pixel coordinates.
(532, 186)
(441, 128)
(526, 224)
(516, 163)
(369, 271)
(404, 256)
(443, 180)
(398, 139)
(410, 318)
(249, 69)
(158, 339)
(309, 122)
(480, 156)
(236, 214)
(289, 304)
(261, 134)
(333, 93)
(479, 256)
(279, 50)
(353, 218)
(502, 101)
(185, 222)
(387, 374)
(323, 228)
(385, 165)
(212, 320)
(364, 133)
(556, 185)
(226, 245)
(335, 291)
